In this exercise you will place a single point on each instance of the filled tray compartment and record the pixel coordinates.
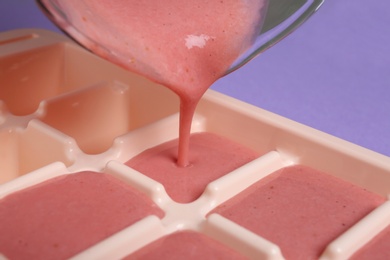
(91, 130)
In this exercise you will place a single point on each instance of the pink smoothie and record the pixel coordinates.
(210, 157)
(186, 245)
(300, 209)
(183, 45)
(378, 248)
(65, 215)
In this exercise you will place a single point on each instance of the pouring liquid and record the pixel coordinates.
(183, 45)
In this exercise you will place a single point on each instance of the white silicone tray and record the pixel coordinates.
(44, 77)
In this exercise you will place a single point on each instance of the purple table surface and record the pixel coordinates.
(332, 74)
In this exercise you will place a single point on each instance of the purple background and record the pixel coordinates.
(332, 74)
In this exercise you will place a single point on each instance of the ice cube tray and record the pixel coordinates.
(63, 110)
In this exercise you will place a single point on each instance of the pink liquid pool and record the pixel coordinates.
(210, 156)
(65, 215)
(300, 209)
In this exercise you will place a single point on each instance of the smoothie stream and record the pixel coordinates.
(183, 45)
